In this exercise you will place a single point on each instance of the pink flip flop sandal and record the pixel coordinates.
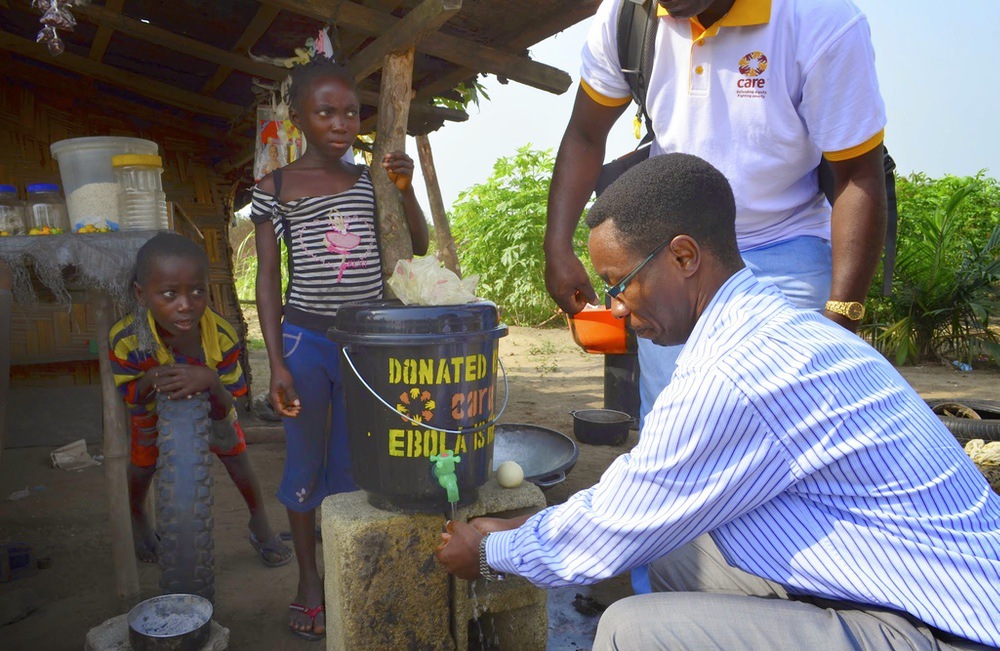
(311, 613)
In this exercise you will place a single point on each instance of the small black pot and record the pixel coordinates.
(600, 426)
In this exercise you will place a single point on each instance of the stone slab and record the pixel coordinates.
(112, 635)
(384, 590)
(509, 614)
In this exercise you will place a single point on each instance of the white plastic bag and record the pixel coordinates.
(423, 281)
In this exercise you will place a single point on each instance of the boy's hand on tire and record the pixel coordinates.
(179, 381)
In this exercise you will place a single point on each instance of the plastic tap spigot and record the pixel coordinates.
(444, 470)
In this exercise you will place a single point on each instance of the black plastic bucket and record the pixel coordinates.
(418, 380)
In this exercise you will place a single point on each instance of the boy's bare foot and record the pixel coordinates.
(144, 539)
(309, 621)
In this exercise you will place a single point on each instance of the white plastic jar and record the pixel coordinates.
(11, 212)
(143, 203)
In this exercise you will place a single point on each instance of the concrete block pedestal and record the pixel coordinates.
(384, 590)
(112, 635)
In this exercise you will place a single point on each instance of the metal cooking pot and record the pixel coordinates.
(170, 622)
(600, 426)
(545, 455)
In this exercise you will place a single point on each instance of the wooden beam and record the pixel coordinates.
(82, 91)
(442, 229)
(259, 24)
(393, 113)
(183, 99)
(424, 111)
(100, 43)
(352, 41)
(443, 46)
(116, 454)
(162, 37)
(423, 19)
(527, 38)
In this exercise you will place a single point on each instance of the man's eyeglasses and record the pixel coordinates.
(614, 290)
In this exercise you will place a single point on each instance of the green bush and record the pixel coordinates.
(245, 261)
(498, 228)
(945, 287)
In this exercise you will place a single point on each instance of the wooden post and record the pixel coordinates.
(442, 229)
(390, 135)
(6, 306)
(116, 457)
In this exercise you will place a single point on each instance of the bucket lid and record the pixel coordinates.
(391, 321)
(43, 187)
(136, 159)
(8, 188)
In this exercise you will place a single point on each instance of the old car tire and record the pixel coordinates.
(184, 498)
(987, 427)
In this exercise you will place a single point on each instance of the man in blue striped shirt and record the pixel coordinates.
(840, 513)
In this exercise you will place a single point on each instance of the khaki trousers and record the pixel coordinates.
(700, 602)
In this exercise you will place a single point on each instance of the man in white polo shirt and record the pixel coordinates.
(761, 89)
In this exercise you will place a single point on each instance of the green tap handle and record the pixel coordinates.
(444, 470)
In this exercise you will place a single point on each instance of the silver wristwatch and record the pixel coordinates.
(485, 571)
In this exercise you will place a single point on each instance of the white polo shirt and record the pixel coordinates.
(760, 95)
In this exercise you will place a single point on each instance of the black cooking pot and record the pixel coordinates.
(600, 426)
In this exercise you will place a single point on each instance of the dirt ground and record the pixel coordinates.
(64, 518)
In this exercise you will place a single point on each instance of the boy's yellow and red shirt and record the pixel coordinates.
(220, 350)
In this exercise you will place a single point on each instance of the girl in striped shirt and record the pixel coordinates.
(323, 208)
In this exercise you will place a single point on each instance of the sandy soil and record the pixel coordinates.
(65, 516)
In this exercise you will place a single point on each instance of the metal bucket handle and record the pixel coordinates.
(506, 397)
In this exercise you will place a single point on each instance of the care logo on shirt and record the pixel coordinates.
(751, 67)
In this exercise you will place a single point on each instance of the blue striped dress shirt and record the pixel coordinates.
(809, 459)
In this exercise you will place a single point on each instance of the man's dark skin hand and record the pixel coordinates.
(577, 167)
(458, 552)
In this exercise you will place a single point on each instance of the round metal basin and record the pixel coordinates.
(545, 455)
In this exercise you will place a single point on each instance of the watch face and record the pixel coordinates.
(855, 311)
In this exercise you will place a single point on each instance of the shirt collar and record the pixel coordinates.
(742, 14)
(209, 341)
(719, 313)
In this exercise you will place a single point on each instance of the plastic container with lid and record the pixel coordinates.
(46, 210)
(141, 198)
(89, 180)
(11, 212)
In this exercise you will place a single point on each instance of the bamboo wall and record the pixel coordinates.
(54, 344)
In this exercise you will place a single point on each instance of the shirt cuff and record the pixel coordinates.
(601, 99)
(500, 552)
(857, 150)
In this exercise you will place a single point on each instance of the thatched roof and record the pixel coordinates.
(185, 63)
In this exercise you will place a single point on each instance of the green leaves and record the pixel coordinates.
(245, 263)
(947, 282)
(499, 226)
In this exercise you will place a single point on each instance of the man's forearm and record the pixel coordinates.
(858, 229)
(857, 247)
(574, 176)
